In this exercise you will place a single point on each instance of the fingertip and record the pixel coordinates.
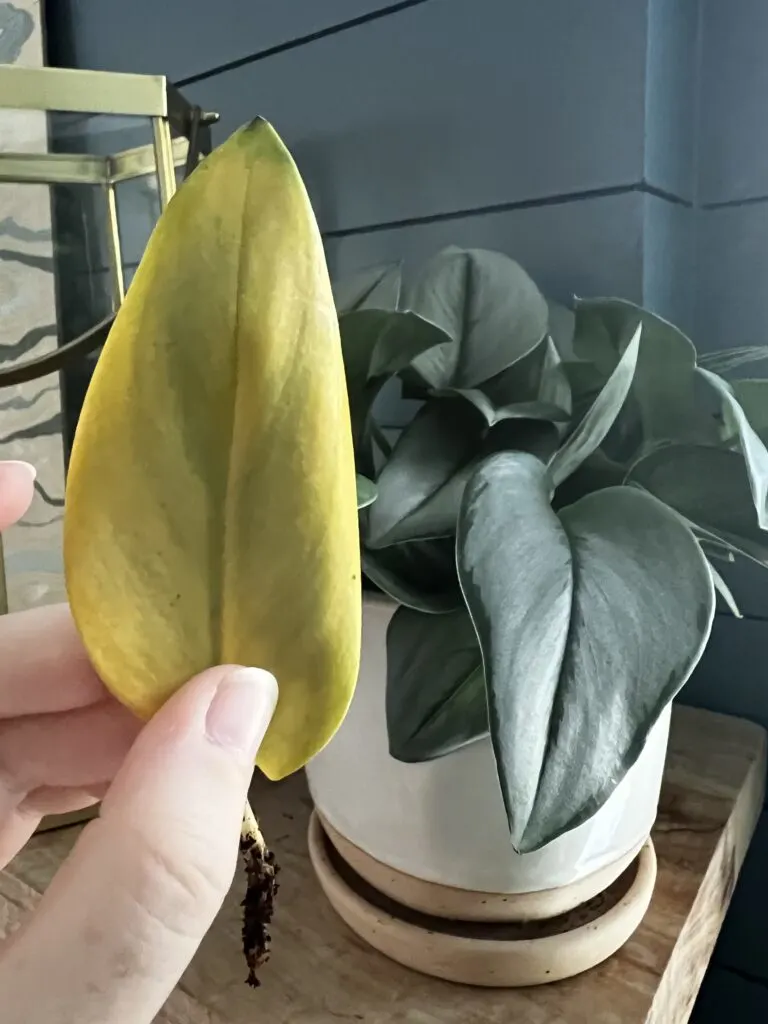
(241, 709)
(17, 488)
(229, 705)
(21, 469)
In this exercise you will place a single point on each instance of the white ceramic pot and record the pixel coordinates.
(443, 821)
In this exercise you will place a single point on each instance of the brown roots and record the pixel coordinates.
(259, 903)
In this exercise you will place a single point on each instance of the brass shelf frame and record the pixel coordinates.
(78, 91)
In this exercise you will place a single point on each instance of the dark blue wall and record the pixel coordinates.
(612, 147)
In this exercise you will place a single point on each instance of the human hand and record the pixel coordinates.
(124, 915)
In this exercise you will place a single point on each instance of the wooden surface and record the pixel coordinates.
(320, 973)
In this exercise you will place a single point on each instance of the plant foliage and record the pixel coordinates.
(547, 519)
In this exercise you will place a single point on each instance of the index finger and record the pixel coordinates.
(43, 665)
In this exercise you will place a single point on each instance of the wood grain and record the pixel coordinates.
(320, 973)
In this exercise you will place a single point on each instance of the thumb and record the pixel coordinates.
(126, 913)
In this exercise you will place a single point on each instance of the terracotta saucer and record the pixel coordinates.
(467, 905)
(507, 955)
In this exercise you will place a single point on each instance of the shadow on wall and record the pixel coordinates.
(16, 27)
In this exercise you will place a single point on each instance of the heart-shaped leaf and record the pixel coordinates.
(589, 621)
(420, 486)
(711, 488)
(752, 448)
(591, 431)
(436, 698)
(211, 514)
(485, 302)
(369, 288)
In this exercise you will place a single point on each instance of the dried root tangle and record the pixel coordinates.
(259, 903)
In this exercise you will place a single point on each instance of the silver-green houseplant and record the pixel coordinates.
(548, 522)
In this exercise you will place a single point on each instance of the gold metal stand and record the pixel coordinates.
(100, 93)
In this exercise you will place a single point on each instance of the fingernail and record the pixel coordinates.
(241, 709)
(24, 466)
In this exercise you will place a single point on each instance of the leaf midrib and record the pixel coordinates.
(219, 654)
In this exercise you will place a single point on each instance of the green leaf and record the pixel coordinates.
(366, 492)
(538, 377)
(420, 575)
(589, 621)
(591, 431)
(360, 332)
(487, 304)
(725, 592)
(663, 396)
(562, 328)
(403, 336)
(594, 474)
(710, 487)
(375, 345)
(752, 448)
(436, 700)
(421, 484)
(713, 547)
(585, 383)
(370, 288)
(493, 414)
(554, 386)
(752, 396)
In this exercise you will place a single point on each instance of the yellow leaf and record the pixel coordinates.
(211, 512)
